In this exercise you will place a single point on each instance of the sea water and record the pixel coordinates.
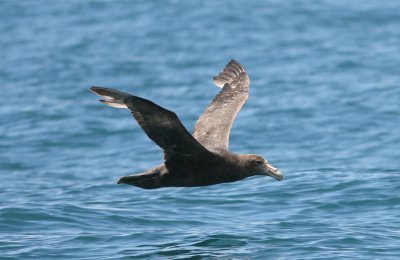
(324, 107)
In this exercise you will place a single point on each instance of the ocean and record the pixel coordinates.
(324, 107)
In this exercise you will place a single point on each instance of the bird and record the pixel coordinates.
(202, 158)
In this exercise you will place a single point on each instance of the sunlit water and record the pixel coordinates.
(324, 107)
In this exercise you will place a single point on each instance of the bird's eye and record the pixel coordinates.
(259, 162)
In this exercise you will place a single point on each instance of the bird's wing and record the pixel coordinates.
(161, 125)
(166, 130)
(214, 125)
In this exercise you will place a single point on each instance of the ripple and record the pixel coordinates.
(222, 241)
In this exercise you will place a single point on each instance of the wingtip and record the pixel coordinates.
(113, 98)
(95, 89)
(234, 62)
(231, 71)
(114, 103)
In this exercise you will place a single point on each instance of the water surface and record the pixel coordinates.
(324, 107)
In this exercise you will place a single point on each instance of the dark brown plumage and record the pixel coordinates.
(202, 158)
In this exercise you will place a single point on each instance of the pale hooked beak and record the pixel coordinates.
(274, 172)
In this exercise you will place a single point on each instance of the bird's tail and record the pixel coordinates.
(113, 98)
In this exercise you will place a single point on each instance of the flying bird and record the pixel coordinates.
(202, 158)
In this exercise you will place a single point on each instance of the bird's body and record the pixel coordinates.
(222, 167)
(202, 158)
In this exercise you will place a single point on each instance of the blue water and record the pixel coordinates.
(324, 107)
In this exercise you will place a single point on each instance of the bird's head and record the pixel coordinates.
(257, 165)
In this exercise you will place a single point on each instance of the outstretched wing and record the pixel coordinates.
(161, 125)
(214, 125)
(165, 129)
